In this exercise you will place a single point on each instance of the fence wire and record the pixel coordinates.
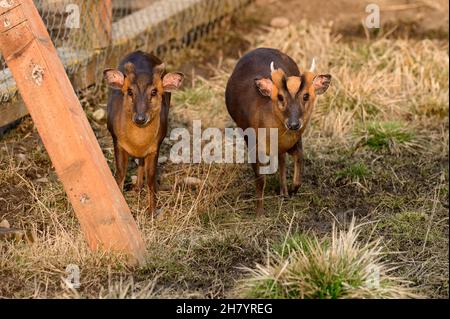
(91, 35)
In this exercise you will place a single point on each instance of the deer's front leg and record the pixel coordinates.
(121, 160)
(151, 162)
(297, 154)
(140, 176)
(282, 167)
(260, 184)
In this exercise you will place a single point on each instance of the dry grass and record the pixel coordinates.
(341, 267)
(381, 79)
(393, 176)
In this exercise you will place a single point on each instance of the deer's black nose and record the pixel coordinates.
(140, 119)
(294, 126)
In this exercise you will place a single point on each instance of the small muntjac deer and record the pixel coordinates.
(267, 90)
(138, 109)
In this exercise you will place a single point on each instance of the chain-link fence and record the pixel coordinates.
(93, 34)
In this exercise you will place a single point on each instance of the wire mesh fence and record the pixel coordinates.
(91, 35)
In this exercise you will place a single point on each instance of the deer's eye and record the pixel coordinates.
(306, 97)
(280, 98)
(130, 92)
(154, 92)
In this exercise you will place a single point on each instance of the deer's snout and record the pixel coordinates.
(294, 125)
(140, 119)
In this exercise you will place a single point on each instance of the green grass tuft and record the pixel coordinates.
(386, 135)
(339, 268)
(193, 95)
(409, 228)
(295, 242)
(354, 172)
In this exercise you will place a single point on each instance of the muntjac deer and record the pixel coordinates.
(267, 90)
(138, 109)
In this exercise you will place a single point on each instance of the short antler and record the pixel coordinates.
(313, 65)
(272, 68)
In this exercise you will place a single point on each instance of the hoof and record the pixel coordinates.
(259, 213)
(284, 193)
(293, 191)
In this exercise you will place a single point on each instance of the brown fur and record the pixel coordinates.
(141, 93)
(250, 106)
(293, 85)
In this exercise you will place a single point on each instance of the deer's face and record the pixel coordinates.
(291, 96)
(143, 92)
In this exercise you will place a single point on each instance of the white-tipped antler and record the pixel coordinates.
(272, 68)
(313, 65)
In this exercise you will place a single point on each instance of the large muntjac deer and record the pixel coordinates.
(267, 90)
(138, 109)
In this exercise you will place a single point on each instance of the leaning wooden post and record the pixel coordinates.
(98, 203)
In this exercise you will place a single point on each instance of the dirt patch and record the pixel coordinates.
(400, 17)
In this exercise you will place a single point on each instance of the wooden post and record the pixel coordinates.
(98, 203)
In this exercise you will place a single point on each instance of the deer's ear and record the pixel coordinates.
(321, 83)
(114, 78)
(265, 86)
(172, 81)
